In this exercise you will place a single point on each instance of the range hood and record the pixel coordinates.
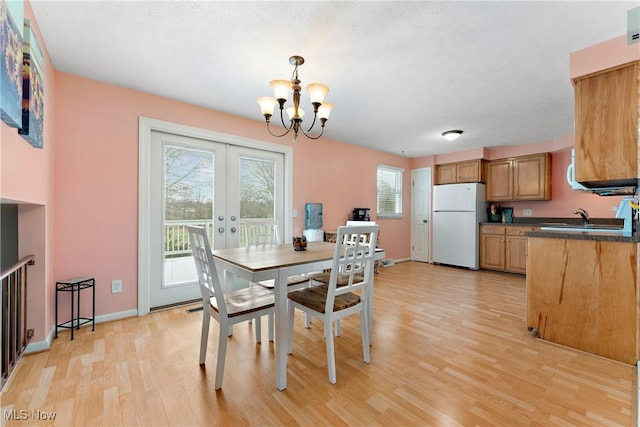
(626, 187)
(612, 191)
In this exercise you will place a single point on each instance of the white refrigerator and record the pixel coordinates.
(458, 210)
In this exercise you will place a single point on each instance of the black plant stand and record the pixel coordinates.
(74, 286)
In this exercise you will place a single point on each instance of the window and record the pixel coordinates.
(389, 192)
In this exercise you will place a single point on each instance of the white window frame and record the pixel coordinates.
(398, 173)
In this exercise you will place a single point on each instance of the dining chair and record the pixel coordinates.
(227, 308)
(332, 302)
(263, 233)
(323, 277)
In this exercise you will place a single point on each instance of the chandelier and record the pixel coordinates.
(281, 90)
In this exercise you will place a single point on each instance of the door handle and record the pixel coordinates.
(425, 221)
(221, 230)
(233, 229)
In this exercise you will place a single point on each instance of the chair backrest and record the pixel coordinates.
(364, 238)
(353, 260)
(261, 233)
(210, 285)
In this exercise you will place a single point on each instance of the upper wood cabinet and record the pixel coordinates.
(500, 180)
(468, 171)
(519, 178)
(607, 126)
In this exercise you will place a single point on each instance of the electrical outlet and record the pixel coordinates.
(116, 286)
(526, 212)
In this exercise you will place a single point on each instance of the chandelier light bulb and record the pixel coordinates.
(291, 111)
(267, 105)
(325, 110)
(317, 92)
(281, 88)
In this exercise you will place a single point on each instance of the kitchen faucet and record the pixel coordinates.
(584, 215)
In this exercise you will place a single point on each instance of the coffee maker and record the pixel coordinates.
(361, 214)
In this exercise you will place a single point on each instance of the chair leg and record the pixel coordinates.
(307, 320)
(364, 330)
(204, 338)
(270, 319)
(222, 353)
(258, 326)
(331, 359)
(307, 316)
(292, 314)
(338, 327)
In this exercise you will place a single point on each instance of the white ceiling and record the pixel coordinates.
(400, 73)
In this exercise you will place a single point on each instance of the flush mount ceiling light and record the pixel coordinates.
(281, 89)
(450, 135)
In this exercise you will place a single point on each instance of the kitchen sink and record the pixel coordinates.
(588, 228)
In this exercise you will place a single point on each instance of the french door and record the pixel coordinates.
(216, 185)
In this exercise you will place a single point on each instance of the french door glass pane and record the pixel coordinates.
(257, 191)
(188, 200)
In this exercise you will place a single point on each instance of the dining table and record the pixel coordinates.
(258, 263)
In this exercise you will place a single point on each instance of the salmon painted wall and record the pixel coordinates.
(601, 56)
(96, 192)
(26, 178)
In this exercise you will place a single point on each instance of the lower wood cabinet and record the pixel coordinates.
(504, 248)
(583, 294)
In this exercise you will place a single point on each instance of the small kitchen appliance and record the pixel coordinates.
(361, 214)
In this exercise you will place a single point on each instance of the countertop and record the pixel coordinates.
(580, 235)
(574, 235)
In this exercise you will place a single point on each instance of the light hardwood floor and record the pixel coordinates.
(450, 348)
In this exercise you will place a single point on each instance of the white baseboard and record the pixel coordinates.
(38, 346)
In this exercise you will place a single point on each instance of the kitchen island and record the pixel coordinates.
(582, 291)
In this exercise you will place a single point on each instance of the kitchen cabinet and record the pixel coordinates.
(516, 249)
(468, 171)
(582, 293)
(492, 246)
(519, 178)
(500, 180)
(504, 248)
(607, 112)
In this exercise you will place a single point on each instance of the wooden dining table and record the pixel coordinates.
(258, 263)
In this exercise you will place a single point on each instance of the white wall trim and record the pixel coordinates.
(145, 126)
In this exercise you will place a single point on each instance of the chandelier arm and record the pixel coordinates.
(278, 136)
(282, 119)
(315, 115)
(314, 137)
